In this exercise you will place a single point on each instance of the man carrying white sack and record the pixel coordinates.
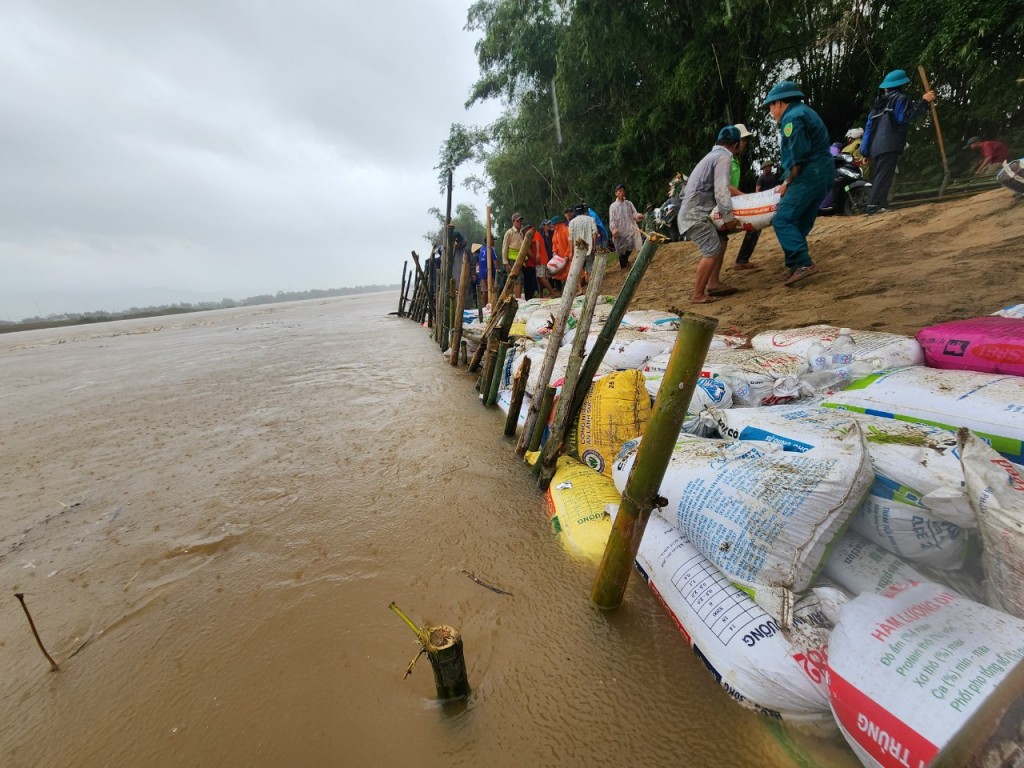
(708, 185)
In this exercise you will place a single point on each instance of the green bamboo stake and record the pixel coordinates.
(641, 495)
(443, 646)
(518, 391)
(543, 411)
(492, 391)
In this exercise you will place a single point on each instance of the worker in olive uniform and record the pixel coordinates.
(807, 173)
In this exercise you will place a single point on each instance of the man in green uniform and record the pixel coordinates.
(807, 171)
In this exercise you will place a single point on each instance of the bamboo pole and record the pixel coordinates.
(443, 323)
(556, 440)
(401, 293)
(611, 325)
(938, 130)
(490, 360)
(518, 391)
(489, 242)
(537, 432)
(506, 294)
(641, 494)
(492, 389)
(443, 646)
(460, 306)
(554, 340)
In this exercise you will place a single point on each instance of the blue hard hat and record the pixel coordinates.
(895, 79)
(787, 89)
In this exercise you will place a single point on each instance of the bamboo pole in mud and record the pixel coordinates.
(498, 306)
(492, 389)
(443, 646)
(612, 323)
(443, 323)
(491, 340)
(490, 361)
(641, 493)
(531, 441)
(556, 440)
(460, 306)
(401, 292)
(561, 317)
(518, 391)
(422, 292)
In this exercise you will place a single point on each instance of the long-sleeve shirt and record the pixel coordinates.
(890, 120)
(512, 241)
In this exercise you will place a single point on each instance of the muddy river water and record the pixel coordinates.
(209, 513)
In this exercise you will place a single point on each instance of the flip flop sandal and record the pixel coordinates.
(722, 290)
(705, 300)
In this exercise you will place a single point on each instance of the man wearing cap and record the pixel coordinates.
(708, 185)
(510, 246)
(993, 154)
(807, 173)
(622, 218)
(886, 134)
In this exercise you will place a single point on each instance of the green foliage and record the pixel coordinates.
(643, 87)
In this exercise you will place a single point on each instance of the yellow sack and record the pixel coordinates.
(616, 410)
(578, 498)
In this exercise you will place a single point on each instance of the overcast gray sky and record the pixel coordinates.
(201, 149)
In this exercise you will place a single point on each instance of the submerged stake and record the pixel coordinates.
(443, 646)
(21, 599)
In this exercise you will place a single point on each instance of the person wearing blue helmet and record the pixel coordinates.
(885, 135)
(806, 173)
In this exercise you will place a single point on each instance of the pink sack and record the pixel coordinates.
(988, 344)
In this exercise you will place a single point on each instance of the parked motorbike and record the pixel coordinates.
(849, 193)
(665, 215)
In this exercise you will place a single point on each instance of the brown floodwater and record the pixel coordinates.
(209, 514)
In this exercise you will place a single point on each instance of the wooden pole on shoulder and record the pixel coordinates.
(641, 494)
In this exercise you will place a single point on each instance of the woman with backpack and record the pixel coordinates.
(885, 135)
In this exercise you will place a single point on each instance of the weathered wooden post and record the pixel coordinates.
(443, 302)
(443, 646)
(604, 341)
(561, 317)
(518, 391)
(460, 306)
(489, 242)
(492, 390)
(641, 494)
(556, 440)
(490, 361)
(401, 292)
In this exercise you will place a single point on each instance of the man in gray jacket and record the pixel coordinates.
(707, 186)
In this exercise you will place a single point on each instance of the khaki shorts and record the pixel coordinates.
(710, 241)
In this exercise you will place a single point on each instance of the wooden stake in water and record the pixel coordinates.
(641, 495)
(21, 599)
(443, 646)
(518, 392)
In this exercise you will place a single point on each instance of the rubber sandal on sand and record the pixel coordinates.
(722, 290)
(800, 273)
(704, 300)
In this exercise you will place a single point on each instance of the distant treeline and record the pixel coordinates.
(99, 316)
